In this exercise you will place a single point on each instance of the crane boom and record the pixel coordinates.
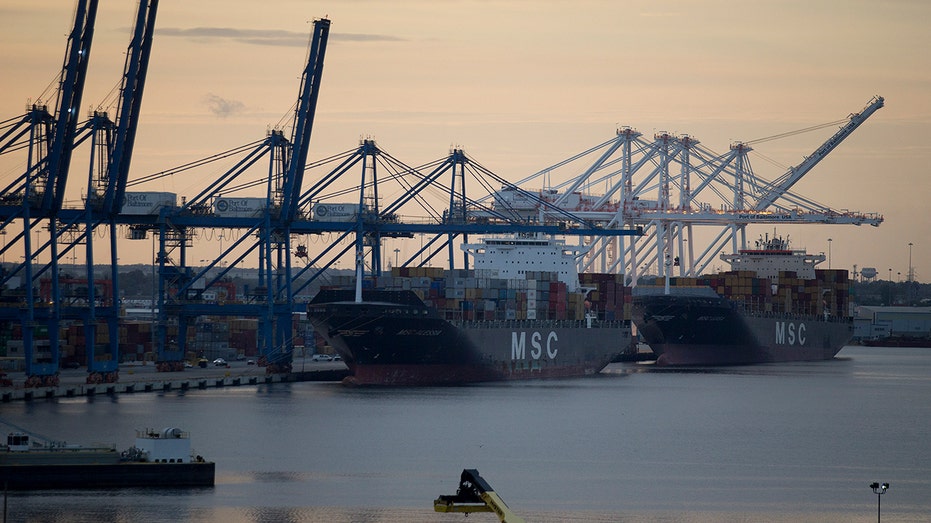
(304, 119)
(133, 84)
(782, 185)
(71, 90)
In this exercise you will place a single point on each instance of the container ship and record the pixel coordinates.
(523, 312)
(773, 306)
(159, 458)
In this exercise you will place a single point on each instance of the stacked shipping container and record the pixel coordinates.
(467, 295)
(828, 293)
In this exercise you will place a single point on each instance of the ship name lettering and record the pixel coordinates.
(415, 332)
(519, 345)
(790, 333)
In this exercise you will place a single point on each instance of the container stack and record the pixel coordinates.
(610, 299)
(827, 294)
(464, 295)
(243, 335)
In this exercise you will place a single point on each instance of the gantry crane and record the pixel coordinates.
(367, 222)
(110, 153)
(634, 181)
(36, 196)
(106, 190)
(268, 234)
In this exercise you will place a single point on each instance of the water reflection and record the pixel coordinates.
(782, 442)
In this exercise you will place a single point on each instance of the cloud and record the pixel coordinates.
(222, 107)
(272, 37)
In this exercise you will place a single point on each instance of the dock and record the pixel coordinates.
(141, 378)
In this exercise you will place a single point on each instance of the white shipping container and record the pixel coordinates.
(239, 207)
(147, 203)
(335, 212)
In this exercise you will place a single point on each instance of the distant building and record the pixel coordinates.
(881, 322)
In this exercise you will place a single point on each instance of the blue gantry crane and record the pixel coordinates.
(267, 229)
(37, 195)
(106, 189)
(266, 234)
(39, 198)
(363, 223)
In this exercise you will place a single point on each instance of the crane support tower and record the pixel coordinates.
(181, 287)
(40, 193)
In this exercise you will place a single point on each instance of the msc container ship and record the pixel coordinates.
(160, 458)
(774, 306)
(523, 312)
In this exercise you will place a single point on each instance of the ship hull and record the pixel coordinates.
(392, 338)
(711, 330)
(115, 475)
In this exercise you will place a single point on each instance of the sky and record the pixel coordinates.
(521, 85)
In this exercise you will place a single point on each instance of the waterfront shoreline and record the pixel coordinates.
(140, 378)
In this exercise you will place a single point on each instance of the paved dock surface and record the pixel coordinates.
(139, 377)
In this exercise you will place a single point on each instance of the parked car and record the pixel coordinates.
(219, 362)
(250, 361)
(337, 357)
(321, 357)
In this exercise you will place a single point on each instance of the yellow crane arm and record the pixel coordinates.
(475, 495)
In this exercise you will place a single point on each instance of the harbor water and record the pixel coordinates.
(780, 442)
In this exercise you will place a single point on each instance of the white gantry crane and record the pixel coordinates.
(669, 186)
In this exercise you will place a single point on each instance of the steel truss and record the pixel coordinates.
(671, 185)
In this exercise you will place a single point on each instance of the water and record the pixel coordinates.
(786, 442)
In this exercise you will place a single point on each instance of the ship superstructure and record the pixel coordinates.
(516, 256)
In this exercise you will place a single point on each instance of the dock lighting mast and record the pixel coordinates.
(879, 489)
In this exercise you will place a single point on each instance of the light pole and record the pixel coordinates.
(829, 252)
(911, 273)
(396, 252)
(879, 489)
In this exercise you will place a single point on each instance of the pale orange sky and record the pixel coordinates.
(521, 85)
